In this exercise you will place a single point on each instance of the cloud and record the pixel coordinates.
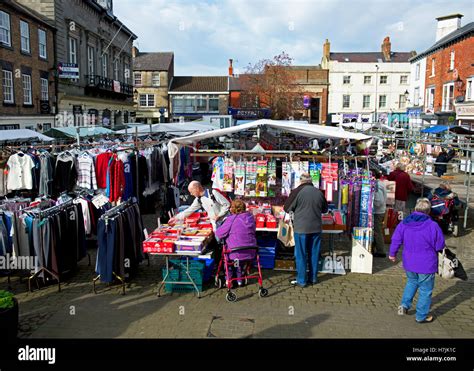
(205, 34)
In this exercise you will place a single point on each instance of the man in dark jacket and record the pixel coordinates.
(307, 203)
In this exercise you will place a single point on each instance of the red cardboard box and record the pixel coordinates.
(271, 221)
(155, 245)
(260, 220)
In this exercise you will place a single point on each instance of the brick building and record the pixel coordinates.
(310, 85)
(450, 72)
(27, 67)
(152, 77)
(94, 61)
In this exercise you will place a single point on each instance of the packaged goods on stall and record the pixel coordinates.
(272, 178)
(315, 173)
(262, 179)
(329, 176)
(229, 166)
(250, 179)
(287, 179)
(240, 179)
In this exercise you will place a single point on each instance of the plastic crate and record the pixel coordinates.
(208, 269)
(267, 262)
(177, 272)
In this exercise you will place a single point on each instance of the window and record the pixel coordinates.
(25, 36)
(433, 60)
(44, 89)
(5, 29)
(451, 61)
(383, 79)
(201, 104)
(402, 101)
(346, 79)
(72, 50)
(105, 62)
(367, 79)
(27, 89)
(116, 69)
(417, 71)
(46, 127)
(403, 79)
(137, 78)
(366, 101)
(382, 101)
(10, 127)
(42, 43)
(7, 83)
(448, 97)
(213, 103)
(469, 90)
(147, 100)
(156, 79)
(416, 97)
(430, 93)
(346, 101)
(90, 60)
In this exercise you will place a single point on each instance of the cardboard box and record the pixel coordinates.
(361, 259)
(285, 265)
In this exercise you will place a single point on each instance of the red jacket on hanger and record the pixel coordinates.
(101, 165)
(116, 179)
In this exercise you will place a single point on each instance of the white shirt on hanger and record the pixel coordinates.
(20, 172)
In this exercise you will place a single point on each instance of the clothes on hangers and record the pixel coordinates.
(101, 168)
(120, 237)
(65, 174)
(86, 177)
(20, 176)
(46, 174)
(115, 179)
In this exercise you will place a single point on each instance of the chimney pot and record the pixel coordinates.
(386, 48)
(231, 69)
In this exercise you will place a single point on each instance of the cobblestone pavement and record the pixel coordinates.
(340, 306)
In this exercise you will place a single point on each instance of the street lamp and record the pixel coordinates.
(376, 83)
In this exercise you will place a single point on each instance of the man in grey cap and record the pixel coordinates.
(308, 203)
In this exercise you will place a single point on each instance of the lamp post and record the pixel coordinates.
(376, 83)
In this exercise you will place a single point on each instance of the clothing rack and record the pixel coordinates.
(106, 216)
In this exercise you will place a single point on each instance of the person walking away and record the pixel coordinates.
(380, 205)
(307, 203)
(443, 159)
(239, 230)
(403, 187)
(422, 239)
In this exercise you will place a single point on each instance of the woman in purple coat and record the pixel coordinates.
(422, 239)
(238, 230)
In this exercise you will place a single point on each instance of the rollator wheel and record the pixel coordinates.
(231, 297)
(263, 292)
(219, 282)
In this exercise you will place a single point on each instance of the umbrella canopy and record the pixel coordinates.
(19, 135)
(176, 128)
(435, 129)
(71, 132)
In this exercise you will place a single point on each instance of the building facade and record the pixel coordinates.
(94, 62)
(27, 69)
(193, 97)
(367, 86)
(152, 77)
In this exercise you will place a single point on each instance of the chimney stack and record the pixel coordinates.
(326, 49)
(386, 49)
(134, 51)
(447, 24)
(231, 69)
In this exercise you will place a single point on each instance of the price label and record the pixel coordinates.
(99, 201)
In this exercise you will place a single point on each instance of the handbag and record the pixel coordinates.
(286, 233)
(446, 266)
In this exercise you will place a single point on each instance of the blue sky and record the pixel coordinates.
(205, 34)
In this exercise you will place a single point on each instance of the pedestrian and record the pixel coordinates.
(441, 159)
(380, 205)
(214, 202)
(239, 230)
(403, 187)
(422, 239)
(307, 203)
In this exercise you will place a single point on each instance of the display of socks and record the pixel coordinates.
(240, 179)
(250, 179)
(262, 179)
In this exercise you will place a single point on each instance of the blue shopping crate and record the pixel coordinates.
(208, 268)
(177, 272)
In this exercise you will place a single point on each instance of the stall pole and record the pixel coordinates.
(78, 136)
(468, 168)
(423, 176)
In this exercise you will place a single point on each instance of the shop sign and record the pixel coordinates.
(414, 111)
(249, 113)
(350, 117)
(465, 110)
(45, 108)
(68, 70)
(395, 118)
(116, 86)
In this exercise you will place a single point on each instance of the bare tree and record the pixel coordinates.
(270, 83)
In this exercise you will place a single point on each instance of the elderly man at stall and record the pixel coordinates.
(213, 202)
